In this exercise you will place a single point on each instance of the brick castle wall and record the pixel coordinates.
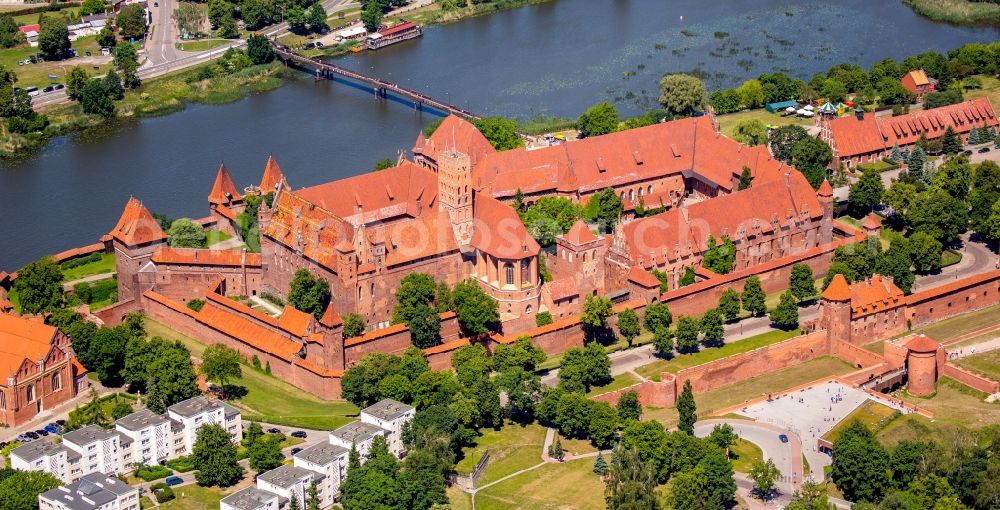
(651, 393)
(970, 379)
(954, 298)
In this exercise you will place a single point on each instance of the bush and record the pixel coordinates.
(104, 290)
(196, 304)
(79, 261)
(162, 491)
(181, 464)
(543, 318)
(150, 473)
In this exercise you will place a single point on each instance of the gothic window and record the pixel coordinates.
(30, 389)
(525, 268)
(509, 269)
(527, 309)
(56, 382)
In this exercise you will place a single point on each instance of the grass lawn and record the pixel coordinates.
(950, 257)
(201, 45)
(771, 382)
(105, 265)
(620, 381)
(962, 324)
(875, 416)
(987, 363)
(913, 427)
(193, 497)
(459, 499)
(216, 236)
(957, 404)
(707, 354)
(667, 416)
(570, 485)
(38, 74)
(990, 90)
(744, 454)
(512, 448)
(284, 404)
(878, 166)
(728, 121)
(876, 347)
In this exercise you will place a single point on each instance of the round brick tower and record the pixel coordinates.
(921, 362)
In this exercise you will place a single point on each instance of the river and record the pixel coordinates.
(555, 58)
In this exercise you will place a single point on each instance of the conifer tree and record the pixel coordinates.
(974, 136)
(951, 142)
(154, 401)
(687, 409)
(600, 465)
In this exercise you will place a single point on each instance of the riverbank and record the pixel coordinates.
(207, 83)
(962, 12)
(435, 13)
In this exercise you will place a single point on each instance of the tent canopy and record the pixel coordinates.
(780, 105)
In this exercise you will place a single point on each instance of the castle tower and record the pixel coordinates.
(872, 225)
(135, 237)
(272, 176)
(921, 365)
(224, 191)
(455, 192)
(835, 309)
(825, 196)
(580, 254)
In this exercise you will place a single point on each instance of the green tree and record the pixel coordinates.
(784, 139)
(371, 17)
(939, 214)
(501, 132)
(596, 311)
(895, 263)
(19, 490)
(954, 176)
(712, 328)
(689, 490)
(687, 334)
(802, 284)
(360, 382)
(993, 232)
(729, 304)
(76, 81)
(91, 413)
(106, 38)
(605, 209)
(723, 436)
(265, 454)
(952, 142)
(688, 278)
(866, 193)
(682, 94)
(752, 94)
(915, 164)
(663, 340)
(471, 363)
(600, 465)
(53, 37)
(154, 401)
(259, 49)
(317, 18)
(478, 313)
(764, 476)
(131, 21)
(252, 433)
(39, 286)
(126, 63)
(750, 132)
(631, 483)
(113, 86)
(521, 354)
(184, 233)
(859, 464)
(719, 473)
(221, 364)
(354, 325)
(746, 179)
(834, 91)
(811, 157)
(425, 326)
(600, 119)
(687, 409)
(725, 101)
(309, 294)
(786, 314)
(414, 289)
(925, 252)
(810, 496)
(603, 424)
(584, 368)
(657, 316)
(214, 456)
(296, 19)
(550, 217)
(10, 36)
(218, 10)
(754, 297)
(628, 407)
(900, 196)
(628, 325)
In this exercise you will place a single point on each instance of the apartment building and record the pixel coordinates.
(95, 491)
(289, 482)
(192, 413)
(358, 435)
(330, 461)
(99, 448)
(150, 437)
(42, 456)
(251, 498)
(390, 415)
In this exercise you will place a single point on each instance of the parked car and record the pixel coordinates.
(967, 152)
(984, 149)
(52, 428)
(24, 438)
(61, 423)
(783, 438)
(274, 430)
(296, 450)
(42, 432)
(299, 434)
(32, 435)
(60, 86)
(50, 88)
(173, 480)
(319, 44)
(309, 46)
(32, 91)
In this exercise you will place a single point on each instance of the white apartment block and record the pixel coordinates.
(251, 498)
(149, 435)
(328, 460)
(289, 482)
(42, 456)
(99, 448)
(95, 491)
(195, 412)
(358, 435)
(390, 416)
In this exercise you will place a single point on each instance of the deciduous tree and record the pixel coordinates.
(754, 297)
(308, 293)
(628, 407)
(631, 483)
(802, 284)
(682, 94)
(628, 325)
(811, 156)
(214, 456)
(478, 313)
(764, 475)
(600, 119)
(687, 333)
(354, 325)
(131, 21)
(221, 364)
(39, 286)
(729, 304)
(859, 464)
(786, 314)
(265, 454)
(657, 316)
(500, 132)
(784, 139)
(866, 193)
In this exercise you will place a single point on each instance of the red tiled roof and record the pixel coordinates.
(272, 175)
(203, 257)
(872, 221)
(922, 344)
(952, 286)
(914, 79)
(852, 137)
(330, 317)
(22, 339)
(825, 190)
(75, 252)
(226, 212)
(404, 190)
(374, 335)
(318, 370)
(643, 278)
(406, 25)
(137, 226)
(446, 347)
(773, 203)
(838, 290)
(875, 294)
(29, 28)
(454, 133)
(222, 187)
(242, 327)
(78, 367)
(579, 234)
(417, 238)
(295, 321)
(499, 231)
(563, 288)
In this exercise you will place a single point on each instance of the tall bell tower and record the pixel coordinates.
(455, 192)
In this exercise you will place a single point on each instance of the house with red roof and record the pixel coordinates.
(918, 83)
(866, 138)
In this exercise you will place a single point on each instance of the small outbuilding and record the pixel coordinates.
(781, 105)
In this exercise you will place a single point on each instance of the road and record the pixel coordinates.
(976, 258)
(786, 456)
(160, 47)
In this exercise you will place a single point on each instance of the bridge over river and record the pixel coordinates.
(381, 88)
